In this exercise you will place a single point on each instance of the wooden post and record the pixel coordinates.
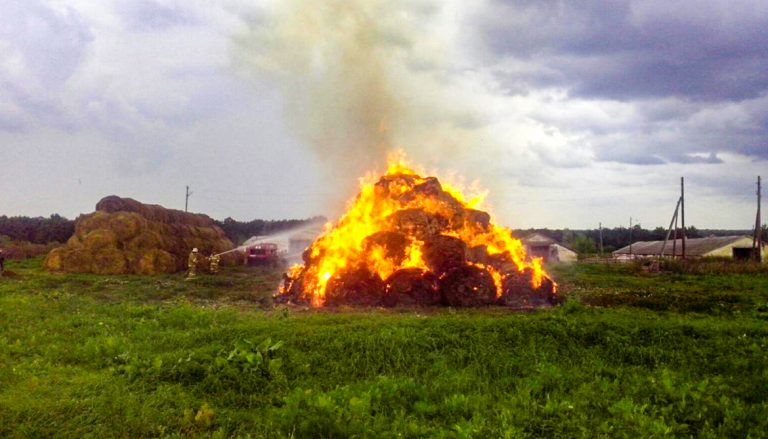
(682, 211)
(669, 230)
(674, 234)
(757, 239)
(601, 238)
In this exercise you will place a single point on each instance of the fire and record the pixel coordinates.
(406, 226)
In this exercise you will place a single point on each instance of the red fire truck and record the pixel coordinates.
(262, 254)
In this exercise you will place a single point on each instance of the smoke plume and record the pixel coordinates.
(361, 77)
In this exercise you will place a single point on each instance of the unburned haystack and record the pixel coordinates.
(126, 236)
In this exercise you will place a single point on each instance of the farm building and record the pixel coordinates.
(540, 246)
(737, 247)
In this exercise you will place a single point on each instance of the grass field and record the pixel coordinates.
(628, 355)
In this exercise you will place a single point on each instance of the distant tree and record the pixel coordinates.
(583, 244)
(37, 230)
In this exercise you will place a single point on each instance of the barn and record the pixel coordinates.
(736, 247)
(540, 246)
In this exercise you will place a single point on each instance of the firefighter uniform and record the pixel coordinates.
(194, 257)
(215, 259)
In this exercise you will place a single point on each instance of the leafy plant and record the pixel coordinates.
(251, 358)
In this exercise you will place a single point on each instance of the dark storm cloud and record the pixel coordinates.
(676, 82)
(628, 50)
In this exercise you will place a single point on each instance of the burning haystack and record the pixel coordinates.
(409, 240)
(126, 236)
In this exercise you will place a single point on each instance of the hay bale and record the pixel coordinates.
(394, 185)
(467, 286)
(73, 241)
(501, 262)
(292, 290)
(100, 238)
(156, 261)
(518, 291)
(147, 239)
(55, 259)
(355, 287)
(87, 223)
(417, 223)
(107, 260)
(207, 233)
(126, 225)
(440, 203)
(71, 260)
(152, 212)
(442, 253)
(430, 187)
(394, 245)
(477, 219)
(411, 286)
(125, 236)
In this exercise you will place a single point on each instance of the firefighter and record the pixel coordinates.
(215, 259)
(2, 262)
(194, 256)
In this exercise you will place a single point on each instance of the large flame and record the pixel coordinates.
(346, 246)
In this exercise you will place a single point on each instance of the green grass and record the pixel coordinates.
(133, 356)
(627, 285)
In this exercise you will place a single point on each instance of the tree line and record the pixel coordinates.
(37, 230)
(57, 229)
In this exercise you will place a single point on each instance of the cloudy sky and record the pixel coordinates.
(569, 112)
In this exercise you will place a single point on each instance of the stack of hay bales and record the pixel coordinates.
(125, 236)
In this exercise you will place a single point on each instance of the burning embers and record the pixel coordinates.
(408, 240)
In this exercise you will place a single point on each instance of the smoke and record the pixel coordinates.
(362, 77)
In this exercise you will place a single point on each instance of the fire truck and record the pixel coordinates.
(262, 254)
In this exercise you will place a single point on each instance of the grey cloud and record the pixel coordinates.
(625, 50)
(50, 42)
(687, 136)
(711, 159)
(42, 49)
(672, 83)
(151, 15)
(45, 54)
(628, 156)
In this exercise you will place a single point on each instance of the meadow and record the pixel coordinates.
(629, 354)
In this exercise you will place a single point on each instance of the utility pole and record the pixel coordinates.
(186, 199)
(601, 238)
(757, 239)
(630, 237)
(682, 211)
